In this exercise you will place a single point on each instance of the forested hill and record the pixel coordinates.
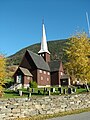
(55, 47)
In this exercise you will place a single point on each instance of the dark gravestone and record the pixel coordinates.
(64, 91)
(39, 92)
(28, 89)
(78, 87)
(49, 92)
(60, 90)
(32, 90)
(52, 89)
(74, 90)
(45, 90)
(29, 94)
(69, 91)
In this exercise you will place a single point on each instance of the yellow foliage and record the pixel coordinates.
(2, 71)
(78, 53)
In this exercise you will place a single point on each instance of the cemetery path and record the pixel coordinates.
(81, 116)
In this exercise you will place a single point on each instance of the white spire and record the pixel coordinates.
(44, 47)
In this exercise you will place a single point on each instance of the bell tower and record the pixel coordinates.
(44, 48)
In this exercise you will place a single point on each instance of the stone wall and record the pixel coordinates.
(21, 107)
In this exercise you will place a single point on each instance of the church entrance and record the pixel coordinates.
(64, 82)
(19, 78)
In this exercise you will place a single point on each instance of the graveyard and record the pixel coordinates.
(38, 92)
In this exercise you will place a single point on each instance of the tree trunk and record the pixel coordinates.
(87, 88)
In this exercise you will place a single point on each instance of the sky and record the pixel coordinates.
(21, 21)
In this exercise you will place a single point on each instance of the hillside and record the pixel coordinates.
(56, 49)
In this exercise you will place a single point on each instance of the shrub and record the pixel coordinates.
(33, 84)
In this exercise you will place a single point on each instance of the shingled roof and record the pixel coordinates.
(25, 71)
(64, 76)
(55, 65)
(39, 61)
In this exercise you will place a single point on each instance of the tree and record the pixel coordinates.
(2, 72)
(78, 53)
(33, 84)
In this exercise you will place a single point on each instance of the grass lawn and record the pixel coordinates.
(15, 94)
(11, 94)
(81, 90)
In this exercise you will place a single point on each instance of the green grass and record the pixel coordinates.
(81, 90)
(15, 94)
(11, 94)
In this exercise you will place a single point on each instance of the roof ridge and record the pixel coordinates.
(39, 61)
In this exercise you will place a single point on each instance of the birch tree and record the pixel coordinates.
(78, 53)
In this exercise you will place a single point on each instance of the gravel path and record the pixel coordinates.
(81, 116)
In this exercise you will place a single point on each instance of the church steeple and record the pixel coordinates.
(44, 48)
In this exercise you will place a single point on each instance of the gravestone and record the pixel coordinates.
(74, 90)
(53, 90)
(49, 92)
(78, 87)
(39, 92)
(64, 91)
(29, 95)
(45, 90)
(60, 90)
(20, 92)
(28, 89)
(32, 90)
(69, 91)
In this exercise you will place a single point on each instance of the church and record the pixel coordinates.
(39, 68)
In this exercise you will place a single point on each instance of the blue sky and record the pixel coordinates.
(21, 21)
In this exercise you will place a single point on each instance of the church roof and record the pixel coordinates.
(25, 71)
(55, 65)
(39, 61)
(65, 76)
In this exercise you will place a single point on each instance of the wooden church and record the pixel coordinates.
(39, 68)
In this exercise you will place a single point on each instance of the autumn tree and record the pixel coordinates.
(78, 53)
(2, 72)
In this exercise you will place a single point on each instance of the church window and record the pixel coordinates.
(40, 71)
(28, 78)
(48, 73)
(47, 79)
(44, 72)
(61, 73)
(41, 78)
